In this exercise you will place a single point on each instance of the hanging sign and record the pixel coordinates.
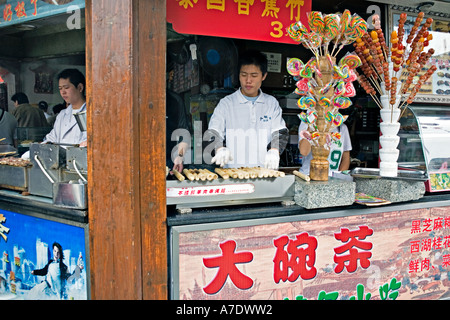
(20, 11)
(261, 20)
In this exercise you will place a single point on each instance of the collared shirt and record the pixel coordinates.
(247, 126)
(66, 129)
(53, 276)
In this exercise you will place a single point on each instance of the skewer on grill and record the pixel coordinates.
(200, 175)
(189, 174)
(222, 173)
(179, 176)
(240, 174)
(209, 175)
(253, 174)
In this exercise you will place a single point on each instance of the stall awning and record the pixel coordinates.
(22, 11)
(262, 20)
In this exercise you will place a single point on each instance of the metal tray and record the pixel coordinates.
(374, 173)
(14, 178)
(255, 191)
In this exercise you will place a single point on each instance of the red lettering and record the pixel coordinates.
(227, 268)
(299, 258)
(353, 239)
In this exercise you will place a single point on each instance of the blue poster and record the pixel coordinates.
(41, 259)
(20, 11)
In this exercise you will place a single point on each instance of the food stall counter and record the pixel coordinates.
(273, 252)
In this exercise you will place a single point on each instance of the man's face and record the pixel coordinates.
(69, 92)
(251, 78)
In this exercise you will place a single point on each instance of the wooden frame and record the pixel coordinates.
(125, 69)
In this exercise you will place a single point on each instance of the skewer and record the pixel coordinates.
(194, 174)
(209, 175)
(189, 174)
(222, 173)
(202, 176)
(241, 174)
(301, 176)
(179, 176)
(252, 173)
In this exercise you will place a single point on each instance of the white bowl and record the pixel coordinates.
(386, 104)
(390, 115)
(389, 142)
(388, 169)
(389, 129)
(389, 155)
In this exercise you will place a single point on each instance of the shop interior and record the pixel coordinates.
(32, 55)
(204, 81)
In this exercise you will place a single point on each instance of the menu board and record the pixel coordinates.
(19, 11)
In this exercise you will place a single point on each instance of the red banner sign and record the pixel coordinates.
(263, 20)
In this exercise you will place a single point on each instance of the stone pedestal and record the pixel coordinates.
(324, 194)
(391, 190)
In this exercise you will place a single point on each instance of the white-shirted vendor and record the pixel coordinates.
(247, 125)
(72, 85)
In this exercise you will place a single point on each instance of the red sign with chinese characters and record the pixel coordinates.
(20, 11)
(379, 256)
(262, 20)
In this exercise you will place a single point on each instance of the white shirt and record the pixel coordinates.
(66, 129)
(53, 277)
(247, 126)
(336, 150)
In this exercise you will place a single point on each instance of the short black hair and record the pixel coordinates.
(20, 98)
(254, 57)
(58, 108)
(43, 106)
(75, 77)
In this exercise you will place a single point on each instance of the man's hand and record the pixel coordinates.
(178, 164)
(272, 160)
(222, 157)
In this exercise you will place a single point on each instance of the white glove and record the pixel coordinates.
(222, 157)
(272, 160)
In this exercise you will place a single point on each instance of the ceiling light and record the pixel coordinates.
(25, 27)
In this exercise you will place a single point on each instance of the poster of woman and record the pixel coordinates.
(41, 259)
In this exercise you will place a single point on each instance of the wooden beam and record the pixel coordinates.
(152, 121)
(125, 57)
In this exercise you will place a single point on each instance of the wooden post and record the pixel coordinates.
(125, 71)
